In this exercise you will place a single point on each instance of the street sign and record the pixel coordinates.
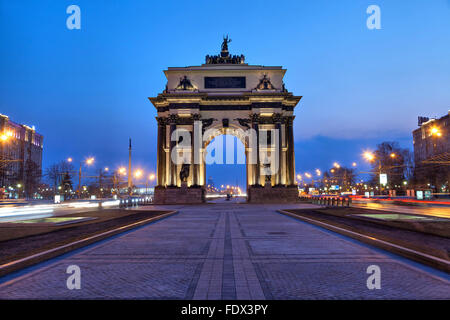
(419, 195)
(383, 178)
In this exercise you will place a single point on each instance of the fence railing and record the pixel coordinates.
(132, 201)
(332, 201)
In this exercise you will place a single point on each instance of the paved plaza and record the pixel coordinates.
(227, 251)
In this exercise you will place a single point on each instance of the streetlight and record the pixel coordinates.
(138, 173)
(371, 157)
(90, 161)
(336, 165)
(87, 162)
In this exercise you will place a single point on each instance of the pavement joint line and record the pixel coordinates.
(370, 239)
(4, 268)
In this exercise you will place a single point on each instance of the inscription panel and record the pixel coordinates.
(224, 82)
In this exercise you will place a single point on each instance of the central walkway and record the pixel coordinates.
(227, 251)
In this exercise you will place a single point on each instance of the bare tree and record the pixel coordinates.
(55, 173)
(394, 161)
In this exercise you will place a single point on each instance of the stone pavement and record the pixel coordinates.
(227, 251)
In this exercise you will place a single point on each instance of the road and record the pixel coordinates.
(44, 209)
(429, 210)
(228, 250)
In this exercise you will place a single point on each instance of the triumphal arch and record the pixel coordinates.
(225, 95)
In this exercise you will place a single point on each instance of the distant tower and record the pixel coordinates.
(211, 182)
(130, 175)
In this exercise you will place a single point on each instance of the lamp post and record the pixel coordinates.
(369, 156)
(88, 162)
(151, 177)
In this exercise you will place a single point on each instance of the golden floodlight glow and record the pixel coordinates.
(369, 156)
(69, 159)
(3, 137)
(138, 173)
(318, 172)
(336, 165)
(393, 155)
(106, 169)
(122, 170)
(90, 161)
(354, 164)
(151, 177)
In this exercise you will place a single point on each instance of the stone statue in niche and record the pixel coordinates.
(184, 172)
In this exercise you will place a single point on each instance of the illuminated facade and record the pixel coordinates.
(20, 155)
(226, 96)
(432, 152)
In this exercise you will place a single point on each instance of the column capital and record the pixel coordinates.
(255, 118)
(172, 119)
(161, 120)
(276, 117)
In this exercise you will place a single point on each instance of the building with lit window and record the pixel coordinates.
(432, 153)
(20, 158)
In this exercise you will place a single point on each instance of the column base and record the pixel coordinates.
(179, 195)
(269, 194)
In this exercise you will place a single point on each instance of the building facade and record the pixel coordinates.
(225, 95)
(432, 153)
(20, 158)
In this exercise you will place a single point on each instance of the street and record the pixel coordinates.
(228, 250)
(427, 210)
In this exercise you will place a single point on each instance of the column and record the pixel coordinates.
(195, 147)
(277, 119)
(161, 162)
(172, 166)
(290, 177)
(256, 167)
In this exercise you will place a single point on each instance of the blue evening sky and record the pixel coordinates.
(86, 90)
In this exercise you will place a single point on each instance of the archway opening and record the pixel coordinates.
(225, 169)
